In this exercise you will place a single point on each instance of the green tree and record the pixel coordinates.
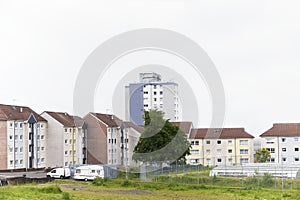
(161, 140)
(262, 155)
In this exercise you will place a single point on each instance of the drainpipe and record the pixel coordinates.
(14, 160)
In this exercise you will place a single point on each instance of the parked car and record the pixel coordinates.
(89, 172)
(59, 173)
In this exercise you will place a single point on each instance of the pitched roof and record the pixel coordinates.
(10, 112)
(218, 133)
(65, 119)
(184, 126)
(106, 119)
(284, 129)
(139, 129)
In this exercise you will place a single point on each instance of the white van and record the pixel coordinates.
(59, 173)
(89, 172)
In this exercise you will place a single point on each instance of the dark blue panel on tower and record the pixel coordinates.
(136, 104)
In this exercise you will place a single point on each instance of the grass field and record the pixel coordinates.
(192, 185)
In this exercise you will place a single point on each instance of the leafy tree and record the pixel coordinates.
(161, 140)
(262, 155)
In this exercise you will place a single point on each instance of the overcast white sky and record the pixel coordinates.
(254, 44)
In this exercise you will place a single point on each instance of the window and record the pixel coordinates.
(66, 141)
(229, 150)
(66, 164)
(21, 162)
(283, 139)
(21, 149)
(16, 149)
(21, 137)
(243, 151)
(219, 142)
(297, 149)
(244, 142)
(38, 149)
(154, 86)
(10, 137)
(154, 93)
(146, 105)
(42, 137)
(42, 160)
(192, 143)
(271, 150)
(145, 92)
(155, 99)
(66, 130)
(16, 162)
(10, 149)
(219, 160)
(284, 149)
(230, 160)
(208, 142)
(70, 152)
(21, 125)
(272, 160)
(296, 139)
(74, 141)
(11, 162)
(283, 159)
(70, 141)
(16, 125)
(296, 159)
(219, 151)
(16, 137)
(42, 148)
(208, 160)
(10, 125)
(207, 151)
(270, 140)
(38, 137)
(194, 152)
(229, 142)
(244, 160)
(66, 152)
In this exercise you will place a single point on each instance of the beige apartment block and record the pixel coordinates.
(22, 138)
(66, 139)
(217, 147)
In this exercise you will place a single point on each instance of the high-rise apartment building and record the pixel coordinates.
(151, 93)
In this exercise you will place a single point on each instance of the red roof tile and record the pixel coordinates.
(106, 119)
(217, 133)
(285, 130)
(9, 112)
(65, 119)
(184, 126)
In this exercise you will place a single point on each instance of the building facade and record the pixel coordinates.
(103, 139)
(217, 147)
(23, 138)
(283, 143)
(66, 139)
(151, 93)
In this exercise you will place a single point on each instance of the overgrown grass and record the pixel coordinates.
(192, 185)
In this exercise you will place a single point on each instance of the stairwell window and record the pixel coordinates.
(243, 142)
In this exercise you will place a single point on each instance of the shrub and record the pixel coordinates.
(51, 189)
(65, 196)
(99, 181)
(267, 180)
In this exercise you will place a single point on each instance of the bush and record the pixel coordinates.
(65, 196)
(51, 189)
(99, 181)
(267, 180)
